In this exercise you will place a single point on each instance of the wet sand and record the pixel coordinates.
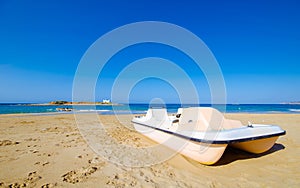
(49, 151)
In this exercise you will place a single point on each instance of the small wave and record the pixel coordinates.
(294, 110)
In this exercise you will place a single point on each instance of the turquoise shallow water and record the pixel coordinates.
(15, 108)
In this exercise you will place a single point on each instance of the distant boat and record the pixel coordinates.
(64, 109)
(203, 133)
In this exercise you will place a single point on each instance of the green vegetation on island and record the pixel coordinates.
(59, 102)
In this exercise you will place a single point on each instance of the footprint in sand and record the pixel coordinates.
(49, 185)
(8, 143)
(31, 180)
(82, 174)
(26, 122)
(79, 175)
(33, 177)
(123, 180)
(45, 163)
(96, 160)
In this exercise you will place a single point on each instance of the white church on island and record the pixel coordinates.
(106, 101)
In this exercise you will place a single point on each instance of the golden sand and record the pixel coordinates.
(49, 151)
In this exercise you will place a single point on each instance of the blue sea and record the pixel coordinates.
(17, 108)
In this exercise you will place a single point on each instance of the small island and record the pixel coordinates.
(104, 102)
(66, 103)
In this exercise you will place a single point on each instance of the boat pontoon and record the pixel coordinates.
(203, 133)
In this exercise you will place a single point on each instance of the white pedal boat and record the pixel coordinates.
(202, 133)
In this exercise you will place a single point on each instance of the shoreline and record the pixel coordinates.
(137, 108)
(112, 114)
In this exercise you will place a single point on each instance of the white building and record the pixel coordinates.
(105, 101)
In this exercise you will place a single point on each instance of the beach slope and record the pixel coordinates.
(49, 151)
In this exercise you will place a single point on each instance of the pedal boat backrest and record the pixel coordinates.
(205, 119)
(157, 117)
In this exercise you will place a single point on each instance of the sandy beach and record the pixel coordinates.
(49, 151)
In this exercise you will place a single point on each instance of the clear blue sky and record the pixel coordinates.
(257, 44)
